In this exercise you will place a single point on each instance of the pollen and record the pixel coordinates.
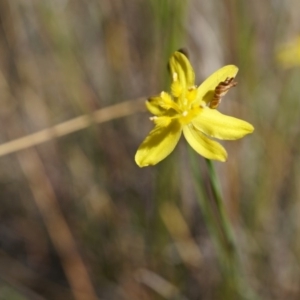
(185, 113)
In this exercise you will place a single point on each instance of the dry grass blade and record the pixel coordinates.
(179, 230)
(159, 284)
(99, 116)
(57, 227)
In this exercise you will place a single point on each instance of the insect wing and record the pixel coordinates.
(206, 90)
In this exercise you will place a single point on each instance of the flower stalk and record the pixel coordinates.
(221, 233)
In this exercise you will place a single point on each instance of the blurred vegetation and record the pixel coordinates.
(79, 220)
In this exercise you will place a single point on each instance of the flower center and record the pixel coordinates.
(188, 114)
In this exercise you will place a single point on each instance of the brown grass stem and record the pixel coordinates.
(100, 116)
(56, 225)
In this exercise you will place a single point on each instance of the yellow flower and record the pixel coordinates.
(191, 111)
(289, 54)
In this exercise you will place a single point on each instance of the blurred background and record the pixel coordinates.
(78, 218)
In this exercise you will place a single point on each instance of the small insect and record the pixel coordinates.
(220, 91)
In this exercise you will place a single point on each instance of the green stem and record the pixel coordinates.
(225, 225)
(229, 255)
(231, 261)
(219, 226)
(205, 206)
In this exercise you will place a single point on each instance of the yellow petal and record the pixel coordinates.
(176, 89)
(213, 123)
(160, 142)
(153, 105)
(162, 121)
(168, 103)
(203, 145)
(206, 90)
(159, 105)
(181, 70)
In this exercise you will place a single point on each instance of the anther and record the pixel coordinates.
(185, 113)
(175, 76)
